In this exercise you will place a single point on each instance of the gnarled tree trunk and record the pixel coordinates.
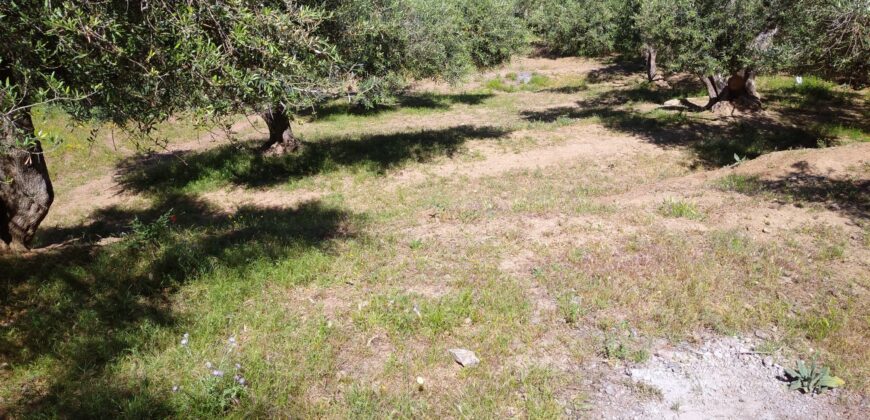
(738, 92)
(26, 193)
(281, 138)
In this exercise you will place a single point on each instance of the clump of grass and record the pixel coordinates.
(845, 133)
(407, 314)
(743, 184)
(569, 308)
(680, 209)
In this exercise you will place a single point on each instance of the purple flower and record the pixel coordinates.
(217, 373)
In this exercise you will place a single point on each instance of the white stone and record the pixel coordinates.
(464, 357)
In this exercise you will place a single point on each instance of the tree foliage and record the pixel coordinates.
(830, 39)
(826, 38)
(578, 27)
(135, 61)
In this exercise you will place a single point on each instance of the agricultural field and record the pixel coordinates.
(603, 244)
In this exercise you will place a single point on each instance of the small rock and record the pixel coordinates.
(765, 230)
(762, 335)
(672, 102)
(467, 321)
(464, 357)
(767, 361)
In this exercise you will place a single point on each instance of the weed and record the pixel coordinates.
(143, 234)
(739, 183)
(570, 308)
(683, 209)
(811, 379)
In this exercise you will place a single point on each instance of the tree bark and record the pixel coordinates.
(738, 92)
(26, 192)
(651, 69)
(281, 138)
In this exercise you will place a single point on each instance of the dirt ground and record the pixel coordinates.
(626, 179)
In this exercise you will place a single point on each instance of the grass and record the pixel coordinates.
(332, 307)
(680, 209)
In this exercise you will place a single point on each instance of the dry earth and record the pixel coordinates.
(713, 377)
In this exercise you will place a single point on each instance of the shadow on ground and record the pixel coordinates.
(76, 309)
(241, 165)
(424, 101)
(849, 197)
(714, 140)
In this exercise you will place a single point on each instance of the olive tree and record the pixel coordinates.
(829, 39)
(135, 63)
(383, 44)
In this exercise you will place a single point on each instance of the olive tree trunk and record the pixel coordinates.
(650, 58)
(26, 193)
(737, 92)
(281, 138)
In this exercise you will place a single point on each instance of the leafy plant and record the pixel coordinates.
(143, 234)
(813, 378)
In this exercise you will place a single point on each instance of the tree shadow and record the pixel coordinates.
(421, 101)
(616, 69)
(76, 309)
(241, 165)
(850, 197)
(714, 143)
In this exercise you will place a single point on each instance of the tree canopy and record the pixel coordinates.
(136, 63)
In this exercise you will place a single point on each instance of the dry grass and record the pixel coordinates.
(514, 224)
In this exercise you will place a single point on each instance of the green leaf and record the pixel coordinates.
(831, 382)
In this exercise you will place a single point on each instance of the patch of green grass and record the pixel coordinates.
(407, 314)
(681, 209)
(821, 324)
(848, 133)
(744, 184)
(812, 91)
(570, 308)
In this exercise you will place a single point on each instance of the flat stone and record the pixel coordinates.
(464, 357)
(672, 102)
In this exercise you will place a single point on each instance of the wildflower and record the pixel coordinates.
(175, 388)
(185, 339)
(173, 219)
(208, 365)
(232, 341)
(218, 373)
(238, 366)
(799, 80)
